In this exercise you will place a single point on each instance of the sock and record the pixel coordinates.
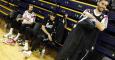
(26, 45)
(18, 35)
(11, 31)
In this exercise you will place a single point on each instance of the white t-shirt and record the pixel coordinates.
(29, 18)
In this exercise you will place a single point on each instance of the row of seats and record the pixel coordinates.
(76, 5)
(74, 9)
(41, 11)
(62, 8)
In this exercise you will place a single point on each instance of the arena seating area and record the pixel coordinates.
(105, 45)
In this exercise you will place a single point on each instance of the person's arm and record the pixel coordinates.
(65, 24)
(24, 16)
(32, 19)
(46, 32)
(99, 25)
(105, 21)
(19, 17)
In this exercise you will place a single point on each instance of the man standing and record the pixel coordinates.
(83, 37)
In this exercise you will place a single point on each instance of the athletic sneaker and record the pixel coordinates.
(8, 35)
(10, 42)
(27, 53)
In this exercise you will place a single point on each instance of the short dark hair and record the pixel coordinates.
(52, 14)
(30, 5)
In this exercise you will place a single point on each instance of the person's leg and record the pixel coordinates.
(9, 33)
(26, 45)
(80, 52)
(27, 36)
(24, 32)
(71, 44)
(17, 36)
(36, 43)
(12, 22)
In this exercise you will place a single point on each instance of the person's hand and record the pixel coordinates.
(26, 18)
(19, 19)
(49, 37)
(89, 15)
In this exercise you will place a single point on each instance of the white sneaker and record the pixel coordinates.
(27, 53)
(8, 35)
